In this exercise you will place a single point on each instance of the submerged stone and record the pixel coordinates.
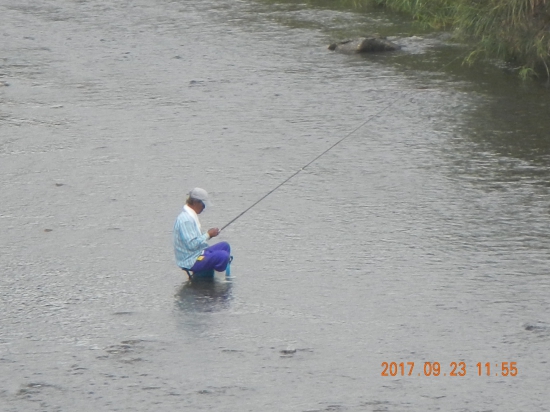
(369, 44)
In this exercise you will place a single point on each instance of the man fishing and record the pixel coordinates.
(190, 244)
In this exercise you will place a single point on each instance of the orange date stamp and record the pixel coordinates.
(454, 369)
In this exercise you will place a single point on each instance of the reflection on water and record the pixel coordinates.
(204, 295)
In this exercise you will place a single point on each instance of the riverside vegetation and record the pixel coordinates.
(517, 31)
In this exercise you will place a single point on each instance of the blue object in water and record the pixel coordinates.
(228, 268)
(204, 274)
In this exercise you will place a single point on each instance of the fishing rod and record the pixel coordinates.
(312, 161)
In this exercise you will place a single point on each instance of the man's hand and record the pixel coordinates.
(213, 232)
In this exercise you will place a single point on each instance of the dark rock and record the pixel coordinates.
(369, 44)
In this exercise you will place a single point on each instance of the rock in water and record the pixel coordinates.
(364, 45)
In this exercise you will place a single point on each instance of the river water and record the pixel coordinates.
(423, 237)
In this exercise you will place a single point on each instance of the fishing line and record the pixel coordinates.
(317, 158)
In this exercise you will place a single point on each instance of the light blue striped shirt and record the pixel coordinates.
(189, 242)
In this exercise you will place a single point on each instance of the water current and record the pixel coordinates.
(423, 237)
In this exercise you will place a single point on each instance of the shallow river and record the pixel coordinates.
(422, 237)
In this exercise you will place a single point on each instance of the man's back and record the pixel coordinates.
(189, 242)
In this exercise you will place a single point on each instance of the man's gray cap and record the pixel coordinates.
(200, 194)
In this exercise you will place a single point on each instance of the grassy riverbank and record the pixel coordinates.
(517, 31)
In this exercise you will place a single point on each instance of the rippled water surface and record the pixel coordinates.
(423, 237)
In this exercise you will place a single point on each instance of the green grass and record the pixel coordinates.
(517, 31)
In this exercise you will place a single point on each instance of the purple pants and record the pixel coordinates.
(214, 257)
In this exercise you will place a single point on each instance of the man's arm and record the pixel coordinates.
(192, 237)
